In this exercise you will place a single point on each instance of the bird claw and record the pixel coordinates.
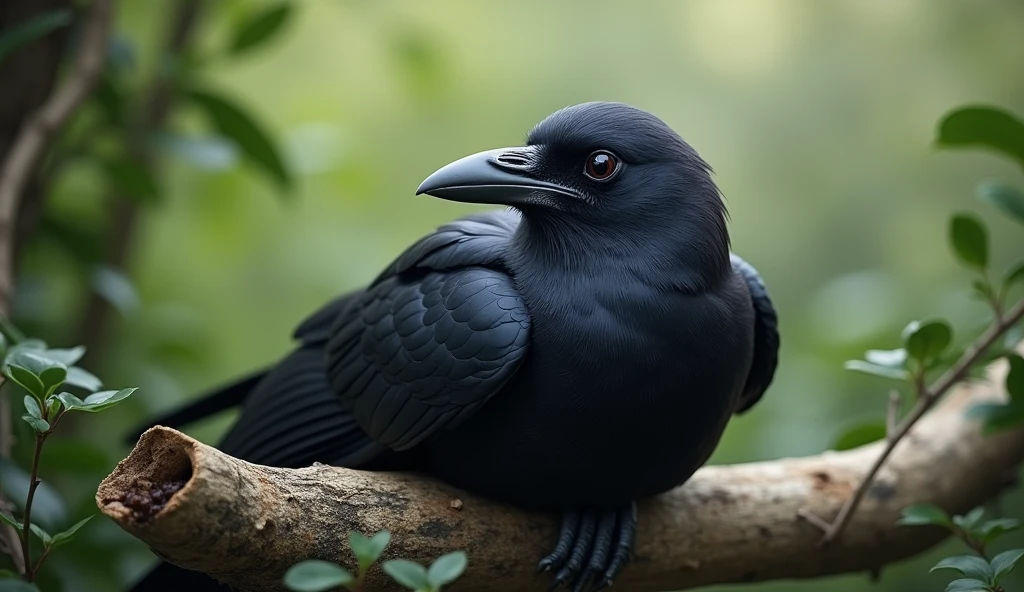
(592, 548)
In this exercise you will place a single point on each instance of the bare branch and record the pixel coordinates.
(245, 524)
(39, 131)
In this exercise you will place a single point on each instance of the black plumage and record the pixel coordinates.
(577, 352)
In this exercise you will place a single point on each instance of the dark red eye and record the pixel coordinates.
(601, 165)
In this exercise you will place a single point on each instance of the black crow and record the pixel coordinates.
(577, 352)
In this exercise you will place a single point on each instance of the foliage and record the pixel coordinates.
(380, 74)
(318, 576)
(926, 344)
(979, 573)
(40, 372)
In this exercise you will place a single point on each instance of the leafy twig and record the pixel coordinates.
(926, 399)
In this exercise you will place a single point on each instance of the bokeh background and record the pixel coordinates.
(818, 118)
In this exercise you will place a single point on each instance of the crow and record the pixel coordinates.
(579, 350)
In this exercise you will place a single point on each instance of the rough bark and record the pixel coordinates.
(245, 524)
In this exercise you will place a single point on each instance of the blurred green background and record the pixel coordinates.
(818, 118)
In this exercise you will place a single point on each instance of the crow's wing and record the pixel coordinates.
(295, 416)
(435, 336)
(766, 336)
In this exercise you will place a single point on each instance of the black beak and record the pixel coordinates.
(494, 177)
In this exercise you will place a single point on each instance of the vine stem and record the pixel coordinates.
(926, 399)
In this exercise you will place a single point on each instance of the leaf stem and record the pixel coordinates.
(926, 399)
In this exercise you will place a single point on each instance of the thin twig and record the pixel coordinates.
(892, 418)
(39, 131)
(925, 401)
(33, 483)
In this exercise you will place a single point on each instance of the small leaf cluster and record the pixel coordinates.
(318, 576)
(979, 573)
(41, 372)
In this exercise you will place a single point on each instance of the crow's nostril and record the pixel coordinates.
(516, 159)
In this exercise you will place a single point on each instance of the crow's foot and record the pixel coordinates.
(593, 546)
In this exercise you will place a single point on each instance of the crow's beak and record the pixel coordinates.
(500, 176)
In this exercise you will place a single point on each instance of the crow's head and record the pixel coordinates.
(597, 162)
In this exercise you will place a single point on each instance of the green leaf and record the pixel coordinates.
(260, 28)
(890, 358)
(1003, 563)
(1014, 276)
(314, 575)
(1008, 199)
(29, 381)
(233, 122)
(52, 407)
(32, 29)
(876, 370)
(38, 424)
(133, 179)
(211, 152)
(993, 529)
(83, 379)
(969, 238)
(110, 98)
(923, 515)
(970, 566)
(32, 406)
(1015, 379)
(928, 340)
(410, 574)
(40, 373)
(368, 550)
(859, 435)
(997, 417)
(11, 522)
(987, 127)
(968, 520)
(66, 536)
(42, 534)
(96, 401)
(65, 356)
(967, 585)
(115, 288)
(984, 290)
(17, 586)
(447, 568)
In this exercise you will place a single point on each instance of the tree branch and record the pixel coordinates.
(37, 133)
(246, 524)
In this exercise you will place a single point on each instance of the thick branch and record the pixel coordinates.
(28, 148)
(245, 524)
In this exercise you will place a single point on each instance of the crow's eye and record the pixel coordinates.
(601, 165)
